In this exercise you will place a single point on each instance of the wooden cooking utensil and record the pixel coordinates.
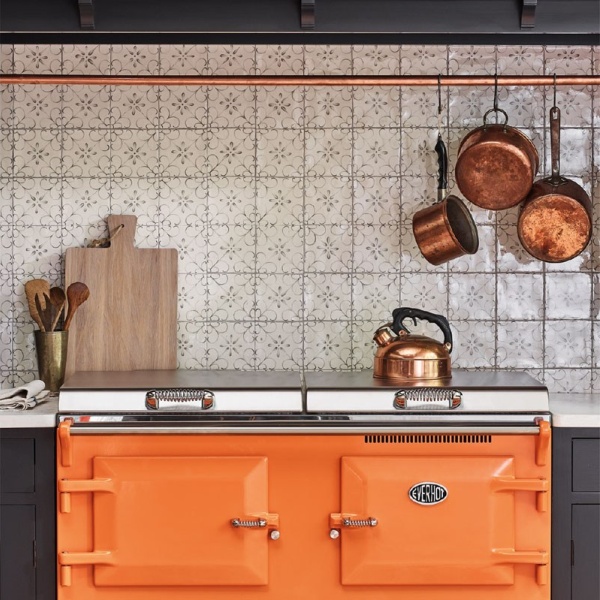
(58, 299)
(32, 288)
(77, 294)
(47, 311)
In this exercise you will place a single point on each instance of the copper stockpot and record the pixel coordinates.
(496, 165)
(445, 230)
(555, 222)
(408, 357)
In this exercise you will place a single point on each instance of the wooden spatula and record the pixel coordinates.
(33, 288)
(77, 294)
(58, 299)
(47, 311)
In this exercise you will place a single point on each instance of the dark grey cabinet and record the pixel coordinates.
(576, 514)
(27, 514)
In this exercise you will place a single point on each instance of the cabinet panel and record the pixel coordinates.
(586, 465)
(17, 465)
(17, 535)
(585, 582)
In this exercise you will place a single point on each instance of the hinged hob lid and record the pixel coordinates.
(193, 391)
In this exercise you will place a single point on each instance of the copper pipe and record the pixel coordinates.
(300, 80)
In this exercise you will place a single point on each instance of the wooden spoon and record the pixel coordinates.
(77, 294)
(47, 312)
(58, 299)
(32, 288)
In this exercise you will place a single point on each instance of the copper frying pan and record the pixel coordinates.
(555, 222)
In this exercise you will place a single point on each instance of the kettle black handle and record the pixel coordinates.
(401, 314)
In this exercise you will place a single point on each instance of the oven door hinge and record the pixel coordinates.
(65, 443)
(542, 443)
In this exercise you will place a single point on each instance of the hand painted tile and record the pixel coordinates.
(37, 153)
(328, 107)
(575, 153)
(231, 60)
(37, 253)
(564, 60)
(37, 107)
(135, 107)
(375, 296)
(279, 153)
(38, 59)
(568, 296)
(423, 60)
(278, 297)
(134, 59)
(230, 346)
(85, 153)
(418, 158)
(279, 346)
(230, 297)
(327, 296)
(520, 60)
(472, 296)
(377, 201)
(328, 345)
(520, 297)
(280, 249)
(596, 296)
(420, 107)
(7, 162)
(183, 107)
(232, 249)
(328, 153)
(85, 59)
(128, 196)
(575, 105)
(191, 345)
(134, 153)
(331, 252)
(37, 202)
(467, 109)
(86, 107)
(279, 200)
(427, 291)
(192, 248)
(331, 198)
(328, 60)
(568, 344)
(472, 60)
(6, 59)
(190, 60)
(520, 344)
(231, 107)
(568, 380)
(24, 350)
(279, 108)
(377, 153)
(596, 344)
(376, 248)
(279, 60)
(376, 60)
(376, 107)
(182, 152)
(474, 344)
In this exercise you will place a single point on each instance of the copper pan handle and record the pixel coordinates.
(555, 144)
(442, 155)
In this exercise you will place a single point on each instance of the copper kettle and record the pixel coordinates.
(408, 357)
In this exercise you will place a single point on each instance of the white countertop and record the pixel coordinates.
(575, 410)
(43, 415)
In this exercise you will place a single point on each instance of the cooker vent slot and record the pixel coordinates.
(429, 439)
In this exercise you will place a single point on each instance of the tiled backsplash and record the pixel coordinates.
(291, 208)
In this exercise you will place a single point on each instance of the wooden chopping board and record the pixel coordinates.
(129, 322)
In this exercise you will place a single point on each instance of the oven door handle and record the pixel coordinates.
(67, 559)
(68, 486)
(540, 486)
(528, 557)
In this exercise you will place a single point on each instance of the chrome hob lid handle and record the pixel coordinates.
(180, 399)
(427, 398)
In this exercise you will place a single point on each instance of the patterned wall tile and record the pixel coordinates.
(134, 59)
(520, 60)
(565, 295)
(328, 60)
(474, 344)
(328, 345)
(328, 107)
(279, 108)
(86, 59)
(520, 344)
(182, 60)
(423, 60)
(520, 296)
(231, 60)
(376, 107)
(564, 60)
(6, 59)
(279, 60)
(566, 380)
(37, 59)
(376, 60)
(568, 344)
(471, 297)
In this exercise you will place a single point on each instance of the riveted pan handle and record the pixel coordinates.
(442, 154)
(555, 144)
(401, 314)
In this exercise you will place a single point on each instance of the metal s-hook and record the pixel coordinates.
(554, 89)
(496, 91)
(439, 115)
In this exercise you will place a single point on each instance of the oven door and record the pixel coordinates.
(173, 520)
(432, 520)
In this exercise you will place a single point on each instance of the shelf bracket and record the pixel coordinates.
(86, 14)
(528, 14)
(307, 14)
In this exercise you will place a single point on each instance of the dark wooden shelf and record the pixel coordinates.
(278, 21)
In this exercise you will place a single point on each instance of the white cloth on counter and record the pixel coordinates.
(24, 396)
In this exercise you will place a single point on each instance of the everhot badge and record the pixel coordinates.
(427, 493)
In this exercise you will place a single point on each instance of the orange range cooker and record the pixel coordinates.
(227, 485)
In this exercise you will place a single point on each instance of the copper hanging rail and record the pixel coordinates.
(301, 80)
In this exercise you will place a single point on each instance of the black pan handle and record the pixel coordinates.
(442, 154)
(399, 315)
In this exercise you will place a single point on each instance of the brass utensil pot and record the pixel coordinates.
(555, 222)
(51, 349)
(412, 358)
(445, 230)
(496, 165)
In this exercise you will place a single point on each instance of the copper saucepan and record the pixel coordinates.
(496, 165)
(555, 222)
(445, 230)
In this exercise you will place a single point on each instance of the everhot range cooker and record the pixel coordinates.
(227, 485)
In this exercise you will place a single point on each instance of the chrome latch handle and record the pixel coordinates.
(369, 522)
(260, 521)
(180, 399)
(338, 521)
(427, 399)
(249, 522)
